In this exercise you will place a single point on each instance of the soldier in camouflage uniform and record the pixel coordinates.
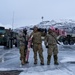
(51, 43)
(37, 45)
(21, 39)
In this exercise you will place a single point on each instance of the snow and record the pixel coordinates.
(54, 72)
(66, 59)
(9, 59)
(64, 25)
(64, 68)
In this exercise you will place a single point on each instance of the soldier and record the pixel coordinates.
(23, 48)
(37, 45)
(26, 37)
(10, 35)
(51, 44)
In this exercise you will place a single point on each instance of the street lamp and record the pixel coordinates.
(42, 18)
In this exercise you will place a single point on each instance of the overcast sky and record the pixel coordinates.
(29, 12)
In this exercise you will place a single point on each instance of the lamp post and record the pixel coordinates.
(42, 18)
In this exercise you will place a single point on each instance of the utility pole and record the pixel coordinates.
(12, 20)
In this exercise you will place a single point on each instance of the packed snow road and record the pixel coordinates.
(9, 60)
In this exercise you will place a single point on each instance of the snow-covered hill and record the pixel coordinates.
(67, 25)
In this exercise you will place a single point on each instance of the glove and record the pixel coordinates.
(31, 46)
(46, 46)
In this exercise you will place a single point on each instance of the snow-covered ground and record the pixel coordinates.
(66, 62)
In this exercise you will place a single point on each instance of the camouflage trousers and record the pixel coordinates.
(22, 52)
(52, 49)
(37, 48)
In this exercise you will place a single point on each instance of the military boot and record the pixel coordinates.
(48, 59)
(22, 61)
(42, 63)
(35, 62)
(26, 62)
(56, 60)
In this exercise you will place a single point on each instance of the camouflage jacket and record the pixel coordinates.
(51, 39)
(21, 38)
(36, 38)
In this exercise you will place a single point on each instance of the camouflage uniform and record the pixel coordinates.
(50, 39)
(37, 46)
(21, 39)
